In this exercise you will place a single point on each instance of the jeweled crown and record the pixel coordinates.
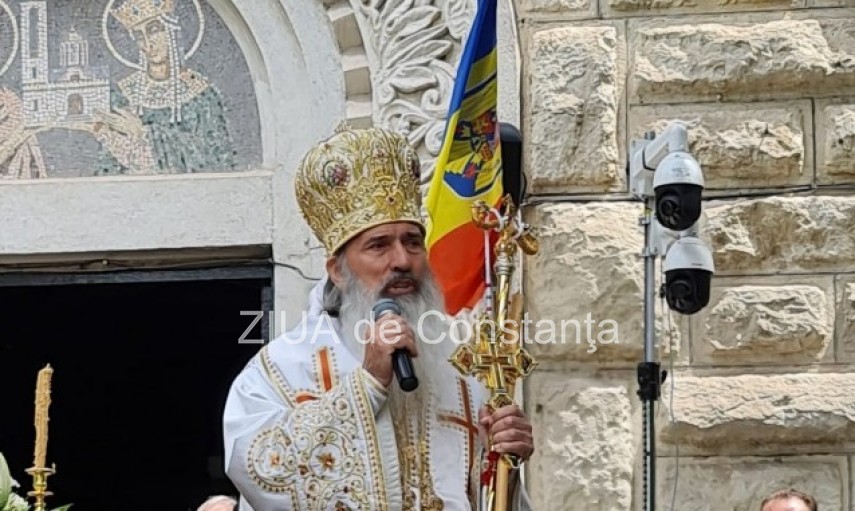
(355, 180)
(133, 12)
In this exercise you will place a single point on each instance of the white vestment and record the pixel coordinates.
(306, 428)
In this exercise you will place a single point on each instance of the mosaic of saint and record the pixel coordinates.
(110, 87)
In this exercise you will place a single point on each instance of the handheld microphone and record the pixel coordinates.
(402, 364)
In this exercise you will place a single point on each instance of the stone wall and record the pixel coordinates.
(761, 388)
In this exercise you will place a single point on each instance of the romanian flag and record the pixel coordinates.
(469, 168)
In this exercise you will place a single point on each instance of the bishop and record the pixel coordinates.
(316, 420)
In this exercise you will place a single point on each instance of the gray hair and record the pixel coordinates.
(333, 295)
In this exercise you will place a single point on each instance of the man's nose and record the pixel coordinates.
(401, 259)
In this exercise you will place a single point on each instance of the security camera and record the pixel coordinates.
(678, 185)
(662, 167)
(688, 268)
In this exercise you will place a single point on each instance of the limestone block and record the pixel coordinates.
(621, 8)
(740, 145)
(507, 41)
(575, 85)
(585, 287)
(766, 321)
(773, 59)
(835, 143)
(846, 318)
(782, 234)
(585, 448)
(567, 9)
(357, 75)
(714, 484)
(761, 412)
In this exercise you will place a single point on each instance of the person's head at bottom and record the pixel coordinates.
(359, 192)
(219, 503)
(789, 500)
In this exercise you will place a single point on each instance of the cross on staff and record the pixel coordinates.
(491, 363)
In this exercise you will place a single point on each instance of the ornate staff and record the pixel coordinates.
(497, 357)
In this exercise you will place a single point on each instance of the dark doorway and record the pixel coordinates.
(141, 373)
(75, 104)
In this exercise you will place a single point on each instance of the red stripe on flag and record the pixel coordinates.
(457, 260)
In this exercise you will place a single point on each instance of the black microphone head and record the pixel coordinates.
(402, 365)
(385, 305)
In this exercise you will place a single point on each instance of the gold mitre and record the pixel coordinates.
(133, 12)
(355, 180)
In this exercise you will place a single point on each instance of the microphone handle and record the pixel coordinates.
(402, 364)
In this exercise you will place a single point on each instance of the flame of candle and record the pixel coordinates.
(42, 404)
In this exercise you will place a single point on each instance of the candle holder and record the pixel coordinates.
(40, 476)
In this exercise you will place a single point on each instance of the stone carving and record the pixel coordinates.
(416, 44)
(69, 106)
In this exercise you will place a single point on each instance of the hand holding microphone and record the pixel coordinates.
(390, 347)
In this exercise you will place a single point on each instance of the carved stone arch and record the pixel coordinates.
(354, 61)
(297, 72)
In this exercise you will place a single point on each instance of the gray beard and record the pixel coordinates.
(424, 311)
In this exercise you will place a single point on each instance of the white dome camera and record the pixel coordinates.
(678, 186)
(688, 268)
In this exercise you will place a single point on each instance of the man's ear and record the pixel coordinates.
(334, 271)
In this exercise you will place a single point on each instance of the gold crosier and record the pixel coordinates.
(497, 356)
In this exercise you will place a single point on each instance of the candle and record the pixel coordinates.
(42, 404)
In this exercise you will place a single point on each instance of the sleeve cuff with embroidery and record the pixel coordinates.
(377, 393)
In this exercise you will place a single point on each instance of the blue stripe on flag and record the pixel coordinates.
(480, 43)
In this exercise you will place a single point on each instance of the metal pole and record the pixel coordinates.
(648, 371)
